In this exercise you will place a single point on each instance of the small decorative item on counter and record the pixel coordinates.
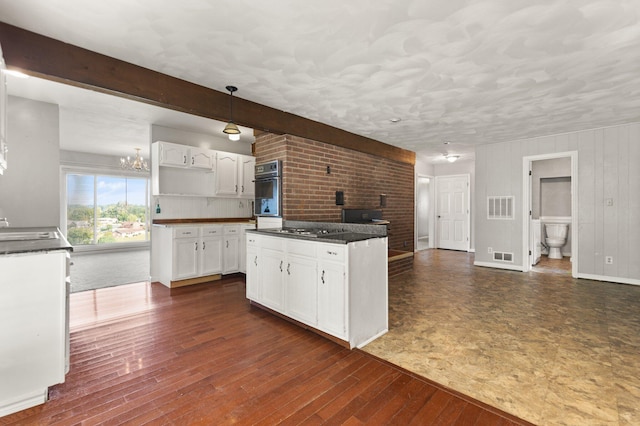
(158, 211)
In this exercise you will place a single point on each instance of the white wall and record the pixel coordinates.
(30, 187)
(608, 169)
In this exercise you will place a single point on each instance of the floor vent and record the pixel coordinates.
(502, 257)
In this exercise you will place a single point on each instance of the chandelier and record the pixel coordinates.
(137, 164)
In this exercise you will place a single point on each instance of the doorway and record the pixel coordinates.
(550, 197)
(424, 213)
(452, 212)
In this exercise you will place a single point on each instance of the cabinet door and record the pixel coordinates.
(332, 296)
(252, 279)
(226, 174)
(201, 158)
(301, 289)
(173, 155)
(185, 258)
(231, 254)
(247, 171)
(271, 273)
(211, 255)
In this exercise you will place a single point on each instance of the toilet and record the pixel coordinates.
(556, 238)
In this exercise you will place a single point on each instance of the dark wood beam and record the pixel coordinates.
(52, 59)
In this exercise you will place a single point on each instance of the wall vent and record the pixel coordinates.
(500, 207)
(502, 256)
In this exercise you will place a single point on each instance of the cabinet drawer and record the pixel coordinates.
(232, 230)
(253, 239)
(302, 248)
(332, 252)
(274, 243)
(186, 232)
(208, 231)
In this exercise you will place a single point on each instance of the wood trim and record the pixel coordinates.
(198, 280)
(51, 59)
(203, 220)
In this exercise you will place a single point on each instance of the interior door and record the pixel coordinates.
(453, 212)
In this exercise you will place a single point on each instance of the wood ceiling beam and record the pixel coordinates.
(54, 60)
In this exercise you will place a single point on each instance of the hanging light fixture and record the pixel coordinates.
(231, 129)
(137, 164)
(451, 158)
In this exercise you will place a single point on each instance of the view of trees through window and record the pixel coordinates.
(106, 209)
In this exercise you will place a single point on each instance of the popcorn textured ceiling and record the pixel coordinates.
(466, 71)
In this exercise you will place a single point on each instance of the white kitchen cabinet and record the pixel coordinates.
(246, 176)
(338, 289)
(332, 291)
(185, 253)
(34, 330)
(201, 158)
(231, 244)
(211, 250)
(251, 267)
(170, 154)
(227, 174)
(182, 255)
(242, 247)
(301, 289)
(172, 173)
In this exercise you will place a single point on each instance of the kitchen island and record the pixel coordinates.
(34, 336)
(328, 277)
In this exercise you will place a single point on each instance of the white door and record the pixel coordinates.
(453, 212)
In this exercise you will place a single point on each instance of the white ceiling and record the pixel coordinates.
(466, 71)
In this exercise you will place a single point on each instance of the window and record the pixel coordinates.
(105, 209)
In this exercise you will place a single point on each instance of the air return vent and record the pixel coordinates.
(503, 257)
(500, 207)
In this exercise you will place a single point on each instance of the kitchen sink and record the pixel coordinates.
(28, 236)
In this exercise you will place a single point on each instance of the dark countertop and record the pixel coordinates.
(341, 238)
(33, 245)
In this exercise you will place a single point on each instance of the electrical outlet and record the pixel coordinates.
(608, 260)
(489, 250)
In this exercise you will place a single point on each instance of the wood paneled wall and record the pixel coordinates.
(309, 191)
(608, 169)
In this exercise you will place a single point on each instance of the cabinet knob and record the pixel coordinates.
(281, 266)
(255, 261)
(288, 266)
(185, 159)
(322, 277)
(196, 246)
(203, 246)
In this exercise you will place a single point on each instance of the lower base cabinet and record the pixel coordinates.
(188, 254)
(338, 289)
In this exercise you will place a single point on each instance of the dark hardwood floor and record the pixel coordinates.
(145, 354)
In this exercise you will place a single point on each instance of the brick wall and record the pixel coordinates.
(309, 191)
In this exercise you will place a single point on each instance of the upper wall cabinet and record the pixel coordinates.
(3, 116)
(235, 175)
(186, 170)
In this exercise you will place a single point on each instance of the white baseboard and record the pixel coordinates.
(499, 266)
(619, 280)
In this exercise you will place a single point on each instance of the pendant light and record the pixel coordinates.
(231, 129)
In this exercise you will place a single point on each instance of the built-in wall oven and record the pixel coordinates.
(268, 181)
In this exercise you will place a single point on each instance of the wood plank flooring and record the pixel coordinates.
(145, 354)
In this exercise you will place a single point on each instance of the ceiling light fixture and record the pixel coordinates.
(231, 129)
(451, 158)
(137, 164)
